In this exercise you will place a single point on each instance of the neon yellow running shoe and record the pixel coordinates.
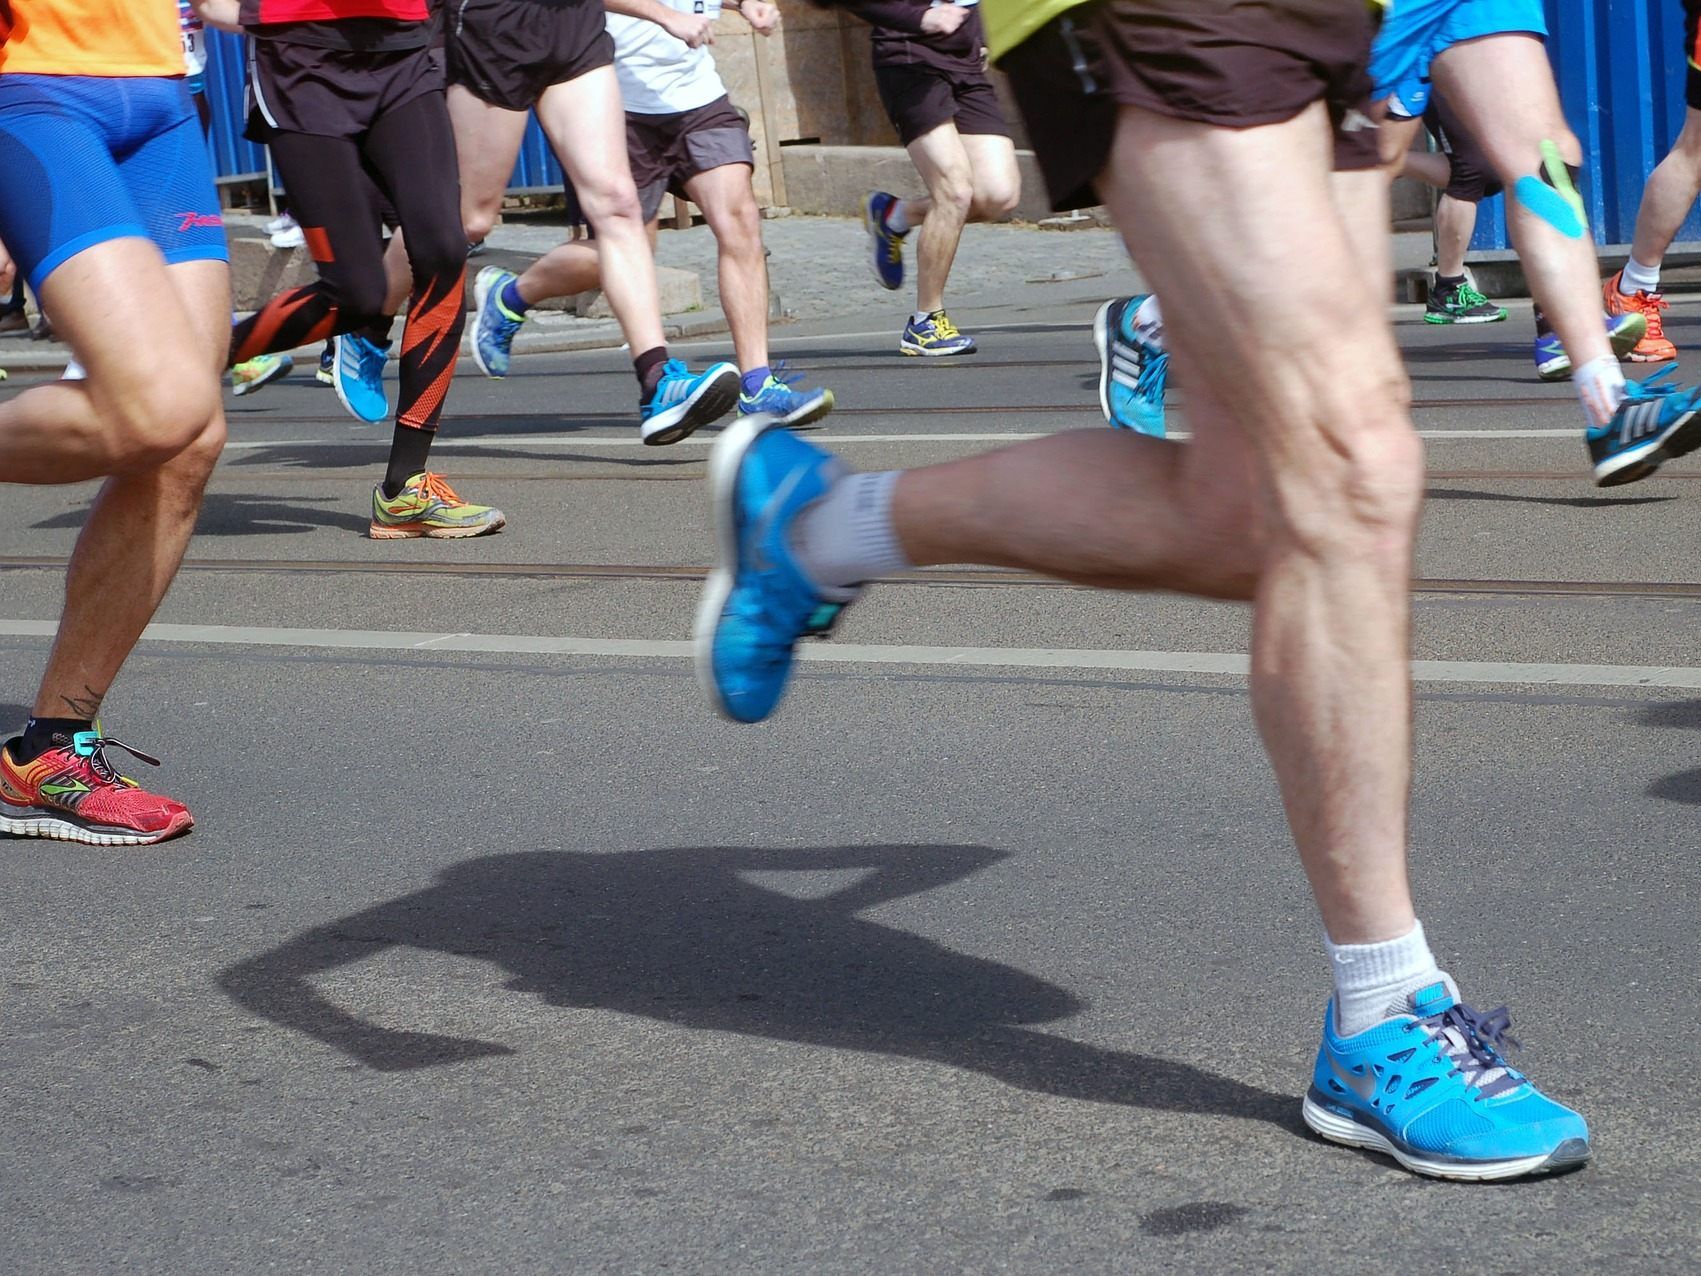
(428, 506)
(259, 372)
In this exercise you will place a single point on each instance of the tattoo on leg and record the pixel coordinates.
(84, 706)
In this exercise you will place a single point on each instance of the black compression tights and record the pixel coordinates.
(334, 186)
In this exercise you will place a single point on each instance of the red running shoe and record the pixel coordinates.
(72, 793)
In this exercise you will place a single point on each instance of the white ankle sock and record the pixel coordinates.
(898, 217)
(846, 537)
(1639, 278)
(1373, 981)
(920, 316)
(1149, 322)
(1600, 389)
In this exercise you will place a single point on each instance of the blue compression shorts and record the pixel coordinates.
(84, 160)
(1416, 31)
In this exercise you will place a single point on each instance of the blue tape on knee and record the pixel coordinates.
(1549, 205)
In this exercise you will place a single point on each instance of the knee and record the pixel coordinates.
(479, 222)
(996, 199)
(158, 419)
(739, 229)
(954, 190)
(604, 203)
(434, 258)
(1353, 488)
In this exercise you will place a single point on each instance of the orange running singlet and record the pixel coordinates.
(117, 39)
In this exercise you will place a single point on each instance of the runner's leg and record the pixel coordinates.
(997, 180)
(943, 162)
(585, 122)
(1669, 195)
(729, 205)
(487, 144)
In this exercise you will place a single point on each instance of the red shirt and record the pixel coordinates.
(257, 12)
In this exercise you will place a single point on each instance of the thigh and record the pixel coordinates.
(62, 192)
(940, 156)
(993, 159)
(1503, 90)
(723, 193)
(333, 197)
(585, 121)
(1242, 223)
(412, 152)
(487, 143)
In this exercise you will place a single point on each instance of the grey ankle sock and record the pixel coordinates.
(1374, 982)
(846, 537)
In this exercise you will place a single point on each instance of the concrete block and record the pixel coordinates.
(833, 180)
(680, 290)
(259, 272)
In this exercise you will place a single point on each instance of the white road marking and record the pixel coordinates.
(826, 439)
(1196, 662)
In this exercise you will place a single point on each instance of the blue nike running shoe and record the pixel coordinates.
(494, 325)
(793, 408)
(758, 602)
(1623, 331)
(685, 400)
(888, 259)
(1654, 424)
(1133, 371)
(358, 376)
(1432, 1089)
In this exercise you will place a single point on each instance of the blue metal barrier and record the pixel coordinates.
(237, 159)
(1620, 65)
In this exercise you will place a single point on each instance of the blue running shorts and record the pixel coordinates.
(1415, 31)
(89, 159)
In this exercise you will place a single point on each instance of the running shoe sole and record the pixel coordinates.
(1634, 357)
(708, 403)
(481, 298)
(725, 459)
(423, 531)
(803, 418)
(929, 352)
(342, 395)
(1569, 1155)
(31, 821)
(1680, 438)
(279, 370)
(1464, 319)
(1101, 339)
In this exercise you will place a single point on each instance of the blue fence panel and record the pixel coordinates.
(236, 157)
(1620, 66)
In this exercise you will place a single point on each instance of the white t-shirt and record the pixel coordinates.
(659, 74)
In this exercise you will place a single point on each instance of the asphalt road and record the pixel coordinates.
(489, 956)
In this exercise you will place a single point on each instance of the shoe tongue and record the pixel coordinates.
(1432, 999)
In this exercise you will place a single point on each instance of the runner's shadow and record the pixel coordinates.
(224, 514)
(685, 936)
(1573, 502)
(1685, 786)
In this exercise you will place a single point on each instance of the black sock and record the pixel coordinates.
(648, 366)
(407, 458)
(39, 732)
(1446, 283)
(1543, 327)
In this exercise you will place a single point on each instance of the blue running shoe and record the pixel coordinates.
(888, 259)
(1133, 370)
(758, 602)
(494, 325)
(1654, 424)
(685, 400)
(1431, 1088)
(358, 376)
(1623, 331)
(935, 336)
(794, 409)
(327, 373)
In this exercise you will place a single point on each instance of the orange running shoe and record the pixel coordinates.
(72, 793)
(1655, 346)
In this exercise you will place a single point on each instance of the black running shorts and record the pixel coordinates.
(919, 98)
(1231, 63)
(507, 52)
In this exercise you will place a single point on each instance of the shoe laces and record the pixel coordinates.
(91, 748)
(1153, 370)
(1650, 305)
(943, 327)
(1467, 296)
(1645, 389)
(437, 488)
(1475, 1044)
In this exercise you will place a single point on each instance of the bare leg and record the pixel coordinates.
(564, 271)
(944, 166)
(141, 523)
(997, 180)
(487, 142)
(1669, 195)
(1455, 222)
(125, 417)
(1502, 87)
(586, 124)
(1214, 214)
(729, 205)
